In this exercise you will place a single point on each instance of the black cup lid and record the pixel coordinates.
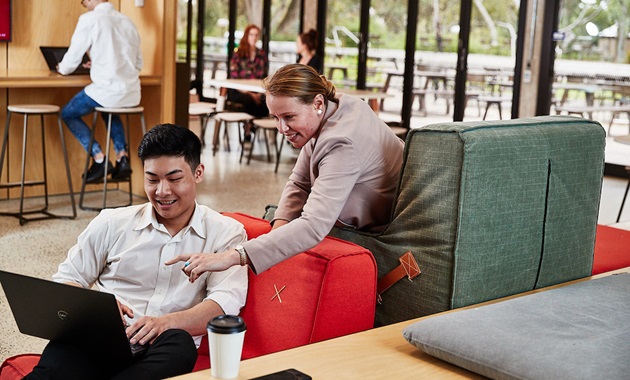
(227, 324)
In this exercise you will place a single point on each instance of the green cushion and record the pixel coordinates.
(490, 209)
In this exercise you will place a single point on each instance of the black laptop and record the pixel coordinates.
(54, 54)
(86, 318)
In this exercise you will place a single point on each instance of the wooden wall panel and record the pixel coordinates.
(37, 23)
(4, 46)
(52, 22)
(148, 19)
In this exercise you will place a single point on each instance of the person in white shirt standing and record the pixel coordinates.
(123, 252)
(113, 44)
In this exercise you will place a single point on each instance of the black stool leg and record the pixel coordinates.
(24, 133)
(65, 159)
(625, 195)
(45, 166)
(128, 128)
(109, 132)
(5, 139)
(87, 164)
(278, 152)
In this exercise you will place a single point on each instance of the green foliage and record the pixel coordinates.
(388, 22)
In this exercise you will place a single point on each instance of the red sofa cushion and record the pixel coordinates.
(612, 249)
(16, 367)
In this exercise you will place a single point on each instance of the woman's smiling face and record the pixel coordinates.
(298, 121)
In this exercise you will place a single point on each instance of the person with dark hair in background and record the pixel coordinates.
(113, 43)
(346, 173)
(122, 251)
(307, 50)
(249, 62)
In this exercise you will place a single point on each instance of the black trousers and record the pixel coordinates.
(249, 104)
(173, 353)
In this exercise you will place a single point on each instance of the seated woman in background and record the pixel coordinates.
(346, 173)
(249, 62)
(307, 51)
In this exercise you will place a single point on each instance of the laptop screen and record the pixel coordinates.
(54, 54)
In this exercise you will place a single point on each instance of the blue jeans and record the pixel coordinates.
(82, 105)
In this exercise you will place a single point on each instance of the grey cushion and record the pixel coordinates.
(580, 331)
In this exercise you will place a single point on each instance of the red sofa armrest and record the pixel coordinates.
(325, 292)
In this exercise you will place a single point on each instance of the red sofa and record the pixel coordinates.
(612, 249)
(326, 292)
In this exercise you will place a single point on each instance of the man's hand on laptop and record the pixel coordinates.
(146, 329)
(124, 310)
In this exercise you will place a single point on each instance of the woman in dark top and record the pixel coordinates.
(307, 51)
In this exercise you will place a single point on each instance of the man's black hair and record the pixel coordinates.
(171, 140)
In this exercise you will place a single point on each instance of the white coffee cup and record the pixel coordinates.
(225, 339)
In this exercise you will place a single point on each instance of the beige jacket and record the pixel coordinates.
(346, 176)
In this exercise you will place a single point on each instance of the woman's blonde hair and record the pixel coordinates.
(301, 82)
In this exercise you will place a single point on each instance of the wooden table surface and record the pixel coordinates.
(380, 353)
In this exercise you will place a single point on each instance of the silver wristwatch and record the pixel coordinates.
(242, 255)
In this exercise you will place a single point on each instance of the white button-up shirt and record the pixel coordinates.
(113, 43)
(123, 252)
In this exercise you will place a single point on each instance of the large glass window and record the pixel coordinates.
(491, 59)
(592, 65)
(285, 25)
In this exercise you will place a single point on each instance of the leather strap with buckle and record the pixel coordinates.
(408, 267)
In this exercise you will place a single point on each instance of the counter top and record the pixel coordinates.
(46, 78)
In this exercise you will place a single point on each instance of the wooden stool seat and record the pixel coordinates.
(233, 116)
(400, 131)
(201, 108)
(266, 123)
(120, 110)
(222, 118)
(35, 110)
(204, 111)
(30, 109)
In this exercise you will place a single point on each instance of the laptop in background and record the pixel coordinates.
(86, 318)
(54, 54)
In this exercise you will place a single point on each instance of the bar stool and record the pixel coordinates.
(223, 118)
(204, 111)
(35, 110)
(266, 125)
(110, 111)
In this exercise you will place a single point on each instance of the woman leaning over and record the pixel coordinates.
(346, 173)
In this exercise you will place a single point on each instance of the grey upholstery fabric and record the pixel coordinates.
(490, 209)
(580, 331)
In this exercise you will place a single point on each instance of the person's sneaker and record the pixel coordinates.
(123, 169)
(95, 173)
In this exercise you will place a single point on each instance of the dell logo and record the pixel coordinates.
(63, 315)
